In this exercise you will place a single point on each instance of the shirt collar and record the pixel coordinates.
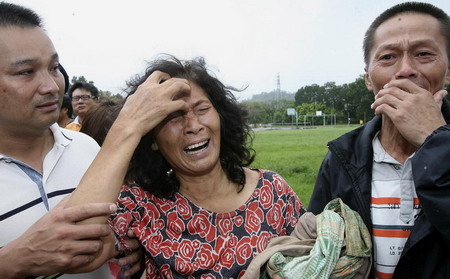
(76, 121)
(379, 153)
(61, 138)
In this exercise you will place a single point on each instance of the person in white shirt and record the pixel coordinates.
(40, 164)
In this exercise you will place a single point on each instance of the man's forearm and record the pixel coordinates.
(10, 265)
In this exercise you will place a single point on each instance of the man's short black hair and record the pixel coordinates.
(15, 15)
(407, 7)
(84, 85)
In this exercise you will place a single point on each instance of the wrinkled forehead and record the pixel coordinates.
(198, 93)
(407, 21)
(409, 28)
(25, 44)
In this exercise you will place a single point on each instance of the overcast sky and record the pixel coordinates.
(245, 42)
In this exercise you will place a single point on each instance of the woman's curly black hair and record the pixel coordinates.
(149, 168)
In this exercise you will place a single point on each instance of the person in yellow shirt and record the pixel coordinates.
(84, 97)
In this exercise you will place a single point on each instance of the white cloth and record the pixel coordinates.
(26, 193)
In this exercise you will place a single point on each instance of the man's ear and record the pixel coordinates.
(447, 78)
(367, 81)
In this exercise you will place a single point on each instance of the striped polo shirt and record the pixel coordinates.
(394, 208)
(28, 194)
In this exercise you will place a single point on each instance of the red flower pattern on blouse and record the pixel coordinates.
(183, 239)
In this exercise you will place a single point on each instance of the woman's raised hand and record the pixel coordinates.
(156, 98)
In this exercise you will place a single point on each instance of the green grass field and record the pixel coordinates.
(295, 154)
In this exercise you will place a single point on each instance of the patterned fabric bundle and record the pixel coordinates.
(342, 249)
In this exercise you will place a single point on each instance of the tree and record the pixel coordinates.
(334, 97)
(273, 96)
(310, 94)
(269, 109)
(108, 96)
(348, 100)
(256, 112)
(351, 100)
(310, 109)
(358, 100)
(80, 78)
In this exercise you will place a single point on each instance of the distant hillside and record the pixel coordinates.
(273, 96)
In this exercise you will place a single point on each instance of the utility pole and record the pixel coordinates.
(278, 87)
(278, 92)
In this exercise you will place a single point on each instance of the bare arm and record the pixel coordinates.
(142, 112)
(156, 98)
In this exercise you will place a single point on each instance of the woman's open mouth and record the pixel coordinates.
(196, 148)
